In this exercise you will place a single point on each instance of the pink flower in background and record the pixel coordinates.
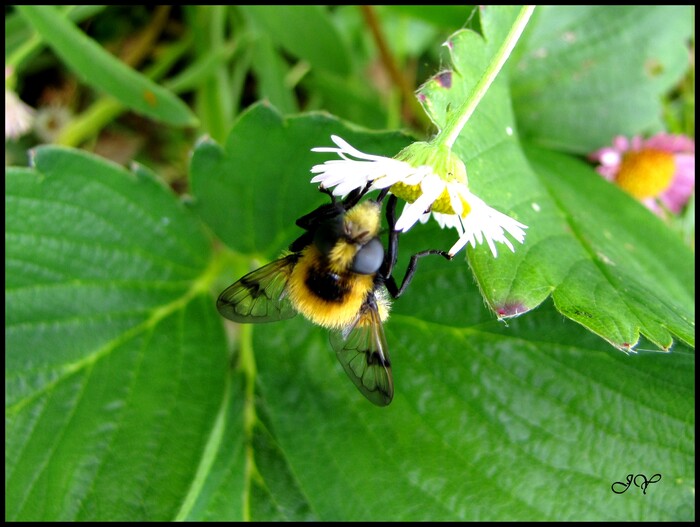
(659, 171)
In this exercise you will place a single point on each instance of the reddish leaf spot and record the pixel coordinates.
(444, 79)
(653, 67)
(150, 97)
(511, 309)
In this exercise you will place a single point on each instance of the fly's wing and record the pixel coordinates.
(362, 350)
(260, 296)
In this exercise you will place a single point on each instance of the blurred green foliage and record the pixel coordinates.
(126, 399)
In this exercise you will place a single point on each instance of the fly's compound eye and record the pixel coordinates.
(369, 258)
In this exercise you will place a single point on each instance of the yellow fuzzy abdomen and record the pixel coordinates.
(329, 299)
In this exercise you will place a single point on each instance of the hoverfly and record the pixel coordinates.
(337, 275)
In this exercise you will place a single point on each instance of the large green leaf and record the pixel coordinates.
(486, 423)
(110, 344)
(122, 403)
(532, 422)
(610, 264)
(588, 73)
(131, 412)
(622, 269)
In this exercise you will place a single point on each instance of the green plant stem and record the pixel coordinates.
(218, 100)
(412, 107)
(89, 122)
(246, 364)
(448, 135)
(107, 108)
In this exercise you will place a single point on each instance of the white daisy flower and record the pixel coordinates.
(355, 169)
(432, 180)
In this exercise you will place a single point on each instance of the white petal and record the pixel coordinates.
(416, 175)
(461, 242)
(355, 169)
(387, 180)
(410, 215)
(325, 149)
(347, 148)
(485, 223)
(344, 188)
(431, 187)
(455, 200)
(492, 247)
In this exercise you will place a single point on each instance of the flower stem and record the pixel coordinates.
(448, 135)
(412, 108)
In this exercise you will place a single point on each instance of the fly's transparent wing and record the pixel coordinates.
(362, 350)
(260, 296)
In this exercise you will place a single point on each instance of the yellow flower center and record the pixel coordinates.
(409, 193)
(646, 173)
(444, 163)
(442, 204)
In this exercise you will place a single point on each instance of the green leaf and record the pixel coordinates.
(19, 34)
(213, 93)
(123, 404)
(99, 69)
(271, 71)
(251, 191)
(588, 73)
(530, 421)
(447, 16)
(352, 98)
(625, 271)
(587, 244)
(219, 487)
(111, 345)
(494, 424)
(305, 31)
